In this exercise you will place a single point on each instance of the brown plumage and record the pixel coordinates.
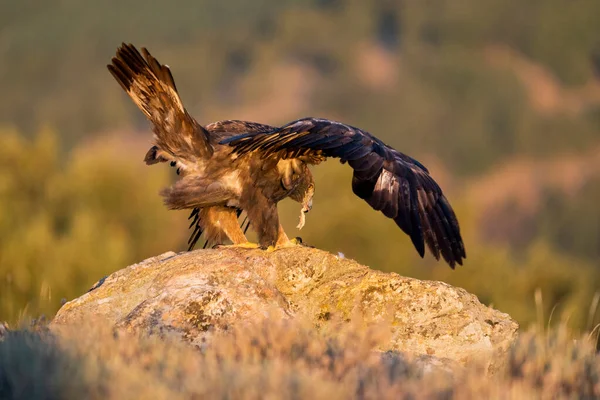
(230, 167)
(389, 181)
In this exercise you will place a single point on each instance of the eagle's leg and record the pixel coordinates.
(232, 229)
(262, 214)
(282, 238)
(220, 224)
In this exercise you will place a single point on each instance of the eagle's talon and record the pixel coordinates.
(297, 241)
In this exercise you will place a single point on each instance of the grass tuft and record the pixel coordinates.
(280, 359)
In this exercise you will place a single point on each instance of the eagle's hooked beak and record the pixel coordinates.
(307, 207)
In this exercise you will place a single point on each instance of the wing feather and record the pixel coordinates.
(389, 181)
(369, 161)
(152, 88)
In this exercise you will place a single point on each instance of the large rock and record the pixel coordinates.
(195, 294)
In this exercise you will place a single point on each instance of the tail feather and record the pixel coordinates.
(151, 86)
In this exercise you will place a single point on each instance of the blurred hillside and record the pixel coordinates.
(500, 99)
(433, 76)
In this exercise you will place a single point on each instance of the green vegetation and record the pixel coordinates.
(449, 98)
(66, 223)
(71, 221)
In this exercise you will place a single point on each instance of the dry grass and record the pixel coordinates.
(273, 360)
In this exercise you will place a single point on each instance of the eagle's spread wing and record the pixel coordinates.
(151, 86)
(391, 182)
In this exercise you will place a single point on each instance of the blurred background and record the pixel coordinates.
(500, 99)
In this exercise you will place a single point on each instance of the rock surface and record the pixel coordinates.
(194, 294)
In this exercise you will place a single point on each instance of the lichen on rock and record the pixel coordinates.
(192, 295)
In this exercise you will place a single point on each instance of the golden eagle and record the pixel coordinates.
(231, 166)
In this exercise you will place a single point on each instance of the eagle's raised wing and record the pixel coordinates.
(391, 182)
(151, 86)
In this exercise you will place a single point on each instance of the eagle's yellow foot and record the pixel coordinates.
(290, 243)
(246, 245)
